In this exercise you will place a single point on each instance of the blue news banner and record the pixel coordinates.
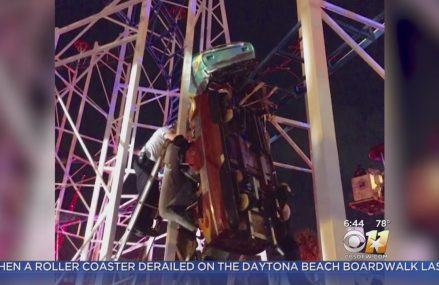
(219, 272)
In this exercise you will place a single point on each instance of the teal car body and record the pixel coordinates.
(210, 61)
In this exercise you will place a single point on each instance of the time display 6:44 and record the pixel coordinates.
(354, 223)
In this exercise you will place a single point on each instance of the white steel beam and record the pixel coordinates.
(202, 10)
(185, 89)
(328, 193)
(63, 121)
(225, 23)
(291, 142)
(111, 210)
(290, 122)
(291, 167)
(351, 15)
(353, 44)
(209, 24)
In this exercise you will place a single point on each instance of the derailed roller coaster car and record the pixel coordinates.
(241, 208)
(221, 63)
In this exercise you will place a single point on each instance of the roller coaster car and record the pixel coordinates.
(241, 202)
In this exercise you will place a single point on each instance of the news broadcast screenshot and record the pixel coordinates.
(215, 142)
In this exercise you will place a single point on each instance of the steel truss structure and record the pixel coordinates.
(106, 92)
(113, 84)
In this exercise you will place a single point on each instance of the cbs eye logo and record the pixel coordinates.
(354, 240)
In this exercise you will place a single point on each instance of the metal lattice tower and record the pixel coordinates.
(137, 70)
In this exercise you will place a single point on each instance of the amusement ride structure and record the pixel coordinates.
(112, 94)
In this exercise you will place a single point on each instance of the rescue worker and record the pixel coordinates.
(177, 191)
(143, 166)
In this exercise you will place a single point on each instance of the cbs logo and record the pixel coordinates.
(354, 240)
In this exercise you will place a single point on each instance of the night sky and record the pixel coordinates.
(357, 91)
